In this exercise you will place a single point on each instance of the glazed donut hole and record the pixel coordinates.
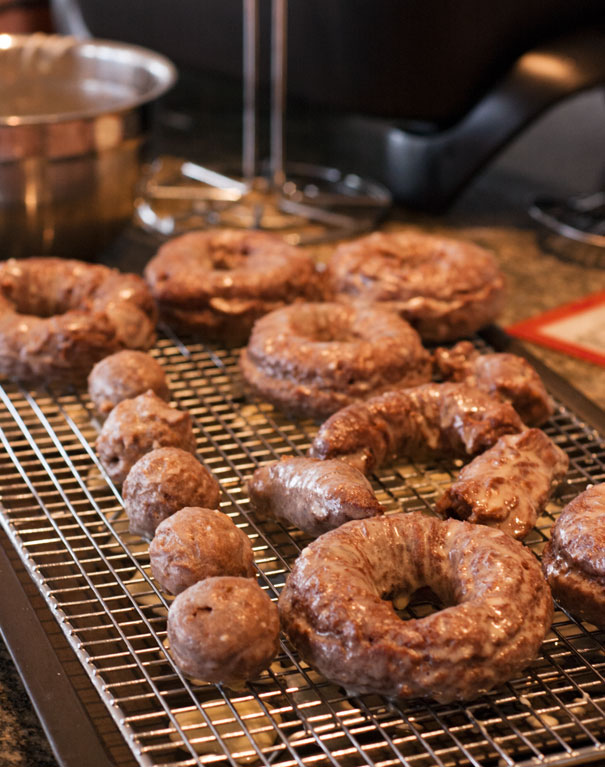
(135, 427)
(125, 375)
(223, 630)
(163, 481)
(196, 543)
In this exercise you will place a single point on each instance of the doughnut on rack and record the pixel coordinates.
(126, 702)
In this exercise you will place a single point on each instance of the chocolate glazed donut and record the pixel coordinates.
(314, 495)
(508, 485)
(59, 316)
(447, 418)
(507, 376)
(445, 288)
(216, 284)
(497, 607)
(573, 560)
(311, 359)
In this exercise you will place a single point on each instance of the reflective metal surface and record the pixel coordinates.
(73, 120)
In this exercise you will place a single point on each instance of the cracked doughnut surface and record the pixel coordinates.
(311, 359)
(445, 288)
(574, 558)
(60, 316)
(497, 607)
(217, 283)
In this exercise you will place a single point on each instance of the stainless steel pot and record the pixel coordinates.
(74, 116)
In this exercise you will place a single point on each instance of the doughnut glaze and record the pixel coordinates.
(497, 607)
(60, 316)
(574, 558)
(445, 288)
(311, 359)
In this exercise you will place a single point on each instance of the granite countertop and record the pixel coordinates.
(492, 213)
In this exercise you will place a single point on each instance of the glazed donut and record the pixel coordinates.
(223, 630)
(498, 607)
(314, 495)
(508, 485)
(161, 482)
(445, 288)
(59, 316)
(136, 426)
(311, 359)
(427, 420)
(196, 543)
(573, 559)
(506, 375)
(124, 375)
(217, 283)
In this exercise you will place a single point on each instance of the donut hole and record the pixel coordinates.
(226, 260)
(42, 306)
(322, 326)
(422, 602)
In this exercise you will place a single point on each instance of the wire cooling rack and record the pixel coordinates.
(65, 519)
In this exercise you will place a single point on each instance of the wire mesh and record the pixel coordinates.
(66, 520)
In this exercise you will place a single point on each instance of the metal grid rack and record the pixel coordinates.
(65, 519)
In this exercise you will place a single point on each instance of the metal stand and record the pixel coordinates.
(304, 203)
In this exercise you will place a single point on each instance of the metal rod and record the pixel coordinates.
(250, 82)
(279, 24)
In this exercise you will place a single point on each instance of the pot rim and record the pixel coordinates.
(163, 73)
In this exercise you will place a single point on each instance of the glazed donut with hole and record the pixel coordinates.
(58, 317)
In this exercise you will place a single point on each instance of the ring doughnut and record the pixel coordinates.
(497, 607)
(445, 288)
(311, 359)
(217, 283)
(60, 316)
(573, 558)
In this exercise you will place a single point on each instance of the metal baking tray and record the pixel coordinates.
(66, 522)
